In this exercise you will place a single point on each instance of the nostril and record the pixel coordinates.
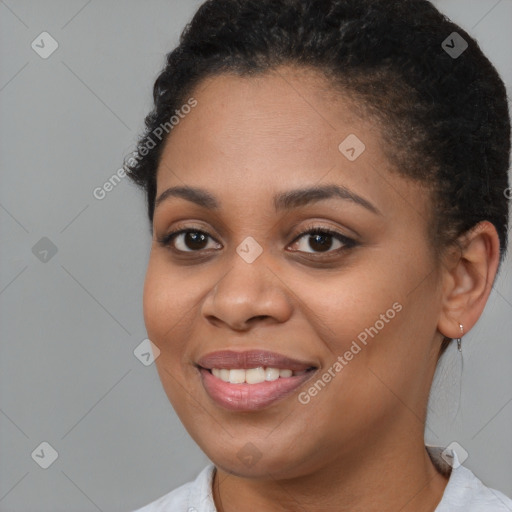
(259, 317)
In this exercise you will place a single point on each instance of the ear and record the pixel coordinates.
(468, 276)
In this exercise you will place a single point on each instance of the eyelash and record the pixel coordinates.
(348, 243)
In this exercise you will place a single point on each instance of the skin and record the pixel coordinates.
(359, 443)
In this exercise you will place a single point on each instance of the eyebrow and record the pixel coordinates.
(282, 201)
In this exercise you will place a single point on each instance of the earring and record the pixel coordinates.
(459, 339)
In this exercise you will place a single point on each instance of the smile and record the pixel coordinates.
(252, 380)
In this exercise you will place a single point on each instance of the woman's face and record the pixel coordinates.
(262, 158)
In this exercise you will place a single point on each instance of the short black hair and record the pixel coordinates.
(443, 116)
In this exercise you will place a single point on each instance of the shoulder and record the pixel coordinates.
(193, 496)
(465, 492)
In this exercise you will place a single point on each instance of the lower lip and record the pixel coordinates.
(250, 397)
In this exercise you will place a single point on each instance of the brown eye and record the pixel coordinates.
(188, 240)
(194, 241)
(320, 240)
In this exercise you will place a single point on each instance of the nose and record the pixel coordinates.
(248, 294)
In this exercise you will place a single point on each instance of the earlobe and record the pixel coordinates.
(468, 280)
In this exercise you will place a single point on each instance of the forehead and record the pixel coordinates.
(269, 121)
(265, 132)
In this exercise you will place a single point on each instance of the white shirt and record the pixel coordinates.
(463, 493)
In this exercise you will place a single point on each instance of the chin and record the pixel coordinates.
(256, 458)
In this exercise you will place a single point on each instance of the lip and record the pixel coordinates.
(230, 359)
(251, 397)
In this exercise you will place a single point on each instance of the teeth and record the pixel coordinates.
(271, 374)
(237, 376)
(253, 375)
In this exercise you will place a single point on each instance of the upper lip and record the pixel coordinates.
(229, 359)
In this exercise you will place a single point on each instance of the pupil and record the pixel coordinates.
(195, 240)
(320, 242)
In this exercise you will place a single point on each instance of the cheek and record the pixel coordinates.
(377, 319)
(168, 301)
(343, 307)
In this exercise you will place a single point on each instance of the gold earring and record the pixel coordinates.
(459, 339)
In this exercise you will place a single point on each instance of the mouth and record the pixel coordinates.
(251, 380)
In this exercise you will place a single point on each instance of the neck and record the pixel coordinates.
(378, 479)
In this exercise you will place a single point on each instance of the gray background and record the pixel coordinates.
(69, 325)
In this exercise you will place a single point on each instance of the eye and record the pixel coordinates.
(316, 239)
(188, 240)
(322, 240)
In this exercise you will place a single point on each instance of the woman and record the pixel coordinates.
(326, 186)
